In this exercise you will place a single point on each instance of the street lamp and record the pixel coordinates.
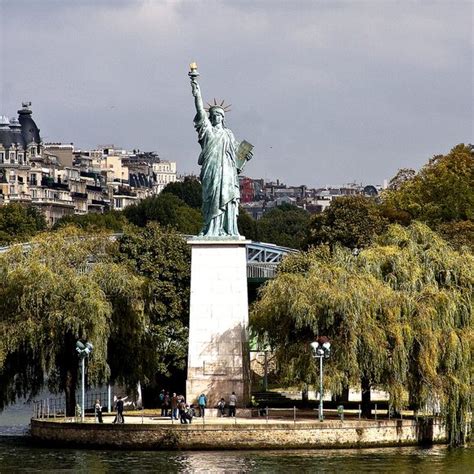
(321, 349)
(83, 349)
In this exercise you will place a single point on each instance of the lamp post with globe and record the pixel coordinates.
(321, 350)
(83, 349)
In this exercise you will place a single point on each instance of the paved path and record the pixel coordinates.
(157, 420)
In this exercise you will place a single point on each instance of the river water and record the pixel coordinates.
(17, 454)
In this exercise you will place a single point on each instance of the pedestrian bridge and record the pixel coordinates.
(263, 260)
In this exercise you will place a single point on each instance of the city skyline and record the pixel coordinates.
(327, 92)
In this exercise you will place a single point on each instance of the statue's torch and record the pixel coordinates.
(193, 72)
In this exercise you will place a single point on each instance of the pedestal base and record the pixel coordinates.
(218, 362)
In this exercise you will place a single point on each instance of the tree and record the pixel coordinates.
(247, 225)
(167, 210)
(163, 258)
(351, 221)
(403, 176)
(189, 191)
(460, 234)
(286, 225)
(62, 288)
(19, 223)
(440, 193)
(112, 220)
(399, 316)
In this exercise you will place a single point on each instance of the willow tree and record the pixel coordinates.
(62, 287)
(399, 316)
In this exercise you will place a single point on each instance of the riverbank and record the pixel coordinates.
(237, 434)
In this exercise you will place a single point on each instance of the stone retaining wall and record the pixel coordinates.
(245, 436)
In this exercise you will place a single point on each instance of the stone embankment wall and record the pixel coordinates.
(245, 436)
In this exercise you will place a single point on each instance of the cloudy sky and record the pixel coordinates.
(329, 92)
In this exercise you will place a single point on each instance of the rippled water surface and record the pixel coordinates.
(17, 454)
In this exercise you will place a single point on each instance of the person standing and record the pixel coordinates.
(182, 409)
(232, 404)
(221, 407)
(202, 401)
(119, 407)
(174, 406)
(161, 398)
(98, 411)
(166, 403)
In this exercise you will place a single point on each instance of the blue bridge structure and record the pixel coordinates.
(263, 260)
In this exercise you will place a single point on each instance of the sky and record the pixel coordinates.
(329, 92)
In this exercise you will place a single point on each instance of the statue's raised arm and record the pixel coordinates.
(196, 90)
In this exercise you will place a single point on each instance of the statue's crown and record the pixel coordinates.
(222, 106)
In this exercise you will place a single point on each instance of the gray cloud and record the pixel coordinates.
(328, 92)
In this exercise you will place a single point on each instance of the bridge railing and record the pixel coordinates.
(261, 270)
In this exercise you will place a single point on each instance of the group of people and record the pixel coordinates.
(176, 408)
(221, 405)
(175, 405)
(119, 405)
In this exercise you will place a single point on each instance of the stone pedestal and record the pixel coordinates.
(218, 361)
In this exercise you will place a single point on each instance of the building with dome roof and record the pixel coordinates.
(26, 174)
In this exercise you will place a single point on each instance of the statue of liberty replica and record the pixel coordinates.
(222, 158)
(218, 354)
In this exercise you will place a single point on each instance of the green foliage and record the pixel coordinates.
(247, 225)
(163, 258)
(285, 225)
(64, 287)
(398, 315)
(189, 191)
(112, 220)
(351, 221)
(442, 191)
(441, 194)
(19, 223)
(167, 210)
(460, 234)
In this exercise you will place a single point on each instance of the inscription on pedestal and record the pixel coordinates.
(213, 368)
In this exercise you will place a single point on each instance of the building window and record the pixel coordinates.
(2, 156)
(20, 157)
(12, 156)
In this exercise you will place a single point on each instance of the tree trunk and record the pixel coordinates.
(304, 395)
(366, 406)
(69, 363)
(343, 397)
(70, 392)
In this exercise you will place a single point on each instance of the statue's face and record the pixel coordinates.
(216, 117)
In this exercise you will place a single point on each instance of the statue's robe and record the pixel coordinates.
(219, 179)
